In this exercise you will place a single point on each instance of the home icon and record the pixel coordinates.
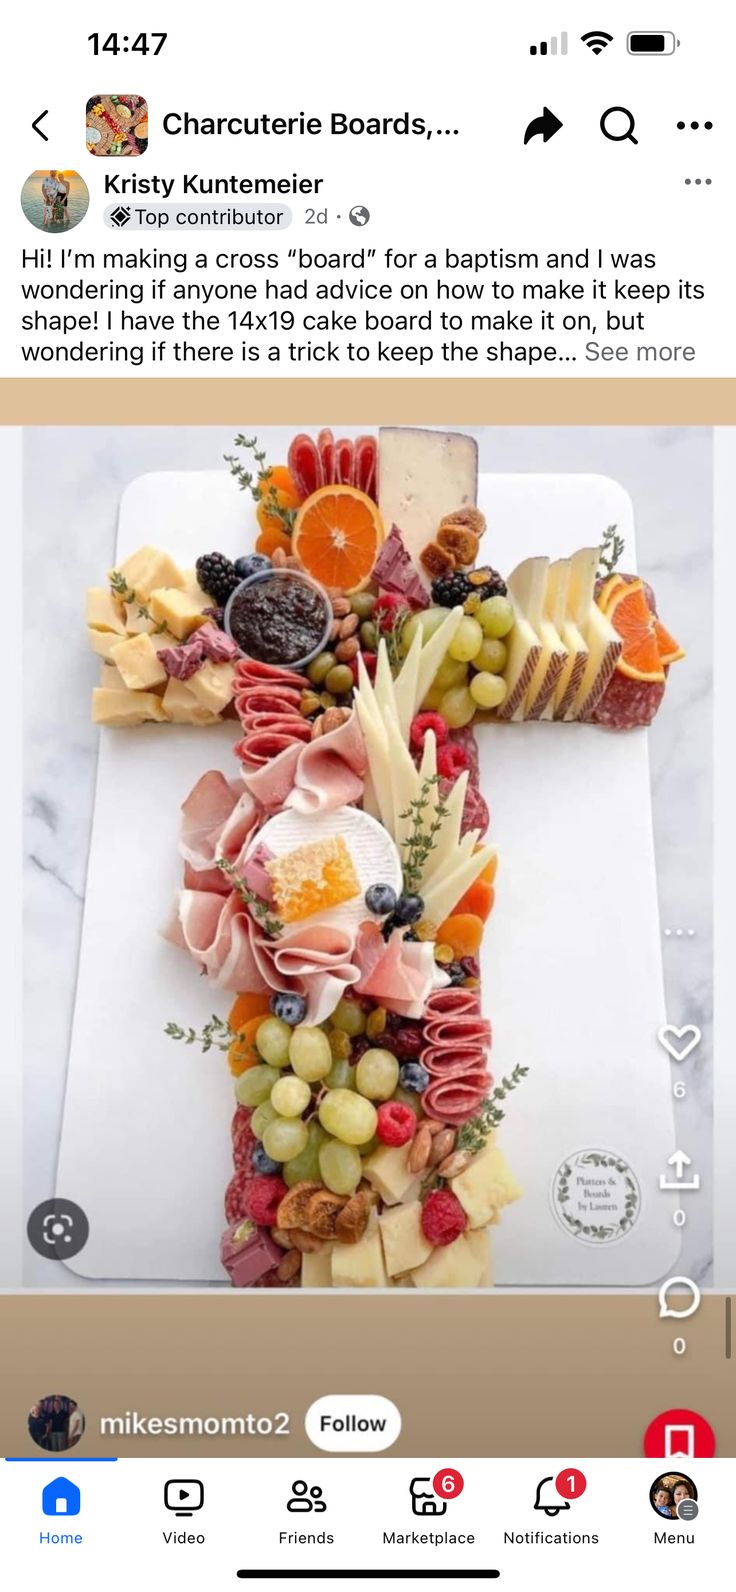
(60, 1497)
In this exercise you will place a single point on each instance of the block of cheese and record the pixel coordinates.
(139, 663)
(479, 1243)
(556, 609)
(177, 610)
(450, 1266)
(526, 587)
(148, 569)
(422, 476)
(180, 705)
(103, 611)
(111, 678)
(603, 642)
(360, 1265)
(103, 641)
(212, 685)
(486, 1186)
(388, 1173)
(404, 1243)
(194, 591)
(123, 709)
(317, 1269)
(136, 623)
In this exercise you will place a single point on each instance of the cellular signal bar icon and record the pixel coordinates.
(550, 49)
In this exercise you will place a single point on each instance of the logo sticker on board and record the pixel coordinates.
(595, 1196)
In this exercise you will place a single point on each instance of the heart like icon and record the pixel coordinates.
(668, 1034)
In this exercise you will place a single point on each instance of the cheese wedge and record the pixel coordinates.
(453, 1265)
(422, 476)
(526, 588)
(603, 642)
(555, 607)
(148, 568)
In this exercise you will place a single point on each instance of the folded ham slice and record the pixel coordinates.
(314, 961)
(313, 778)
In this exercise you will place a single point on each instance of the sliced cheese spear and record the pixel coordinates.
(433, 652)
(526, 594)
(445, 890)
(603, 642)
(555, 654)
(556, 604)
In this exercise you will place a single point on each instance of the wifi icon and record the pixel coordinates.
(596, 40)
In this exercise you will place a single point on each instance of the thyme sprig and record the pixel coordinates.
(120, 588)
(612, 547)
(259, 908)
(473, 1134)
(257, 481)
(422, 838)
(215, 1034)
(392, 638)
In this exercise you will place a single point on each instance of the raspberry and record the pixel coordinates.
(451, 761)
(262, 1199)
(387, 609)
(443, 1218)
(424, 722)
(396, 1123)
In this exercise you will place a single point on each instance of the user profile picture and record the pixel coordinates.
(116, 125)
(674, 1496)
(54, 201)
(55, 1423)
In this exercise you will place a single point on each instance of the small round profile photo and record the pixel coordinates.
(55, 1423)
(54, 201)
(675, 1496)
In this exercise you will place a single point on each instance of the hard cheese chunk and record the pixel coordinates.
(177, 610)
(180, 705)
(479, 1244)
(485, 1186)
(422, 476)
(317, 1269)
(450, 1266)
(103, 641)
(147, 569)
(387, 1172)
(602, 641)
(123, 709)
(139, 663)
(526, 588)
(359, 1265)
(212, 685)
(404, 1243)
(103, 611)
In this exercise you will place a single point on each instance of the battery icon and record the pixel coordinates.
(651, 43)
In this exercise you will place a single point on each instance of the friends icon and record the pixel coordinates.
(305, 1500)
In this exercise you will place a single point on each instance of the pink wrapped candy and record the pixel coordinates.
(248, 1253)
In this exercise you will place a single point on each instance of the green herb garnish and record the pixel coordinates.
(120, 588)
(215, 1034)
(260, 908)
(256, 481)
(420, 841)
(474, 1134)
(612, 547)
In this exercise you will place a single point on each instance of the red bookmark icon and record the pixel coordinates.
(679, 1434)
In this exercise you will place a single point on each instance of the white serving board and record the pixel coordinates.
(572, 975)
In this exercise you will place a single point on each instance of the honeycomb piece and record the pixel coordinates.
(313, 878)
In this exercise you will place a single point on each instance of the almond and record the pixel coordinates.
(289, 1266)
(335, 629)
(348, 626)
(278, 558)
(420, 1149)
(345, 650)
(434, 1127)
(333, 718)
(282, 1238)
(442, 1145)
(454, 1164)
(318, 727)
(341, 607)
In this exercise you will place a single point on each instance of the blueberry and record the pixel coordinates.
(253, 564)
(262, 1163)
(412, 1076)
(457, 973)
(292, 1009)
(381, 899)
(409, 909)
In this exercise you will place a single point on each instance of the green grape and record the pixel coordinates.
(340, 1167)
(285, 1138)
(290, 1096)
(363, 604)
(467, 640)
(261, 1117)
(451, 673)
(488, 690)
(305, 1167)
(341, 1075)
(408, 1097)
(367, 1149)
(272, 1041)
(350, 1017)
(339, 679)
(320, 667)
(377, 1074)
(492, 656)
(309, 1053)
(427, 620)
(496, 616)
(348, 1116)
(457, 707)
(431, 703)
(369, 636)
(255, 1085)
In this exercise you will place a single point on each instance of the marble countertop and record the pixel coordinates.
(73, 480)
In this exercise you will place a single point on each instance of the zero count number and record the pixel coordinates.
(570, 1483)
(114, 47)
(448, 1483)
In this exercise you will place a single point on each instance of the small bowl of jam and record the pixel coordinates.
(279, 616)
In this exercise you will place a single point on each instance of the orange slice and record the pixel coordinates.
(630, 614)
(337, 535)
(669, 649)
(607, 590)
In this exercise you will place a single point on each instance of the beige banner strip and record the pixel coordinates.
(478, 1376)
(168, 401)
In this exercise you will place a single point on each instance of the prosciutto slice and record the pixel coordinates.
(457, 1038)
(216, 933)
(218, 818)
(314, 961)
(315, 776)
(397, 974)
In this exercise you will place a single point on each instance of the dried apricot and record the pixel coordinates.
(281, 478)
(463, 931)
(272, 534)
(478, 900)
(246, 1006)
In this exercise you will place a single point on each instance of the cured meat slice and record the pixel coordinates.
(391, 972)
(330, 770)
(451, 1061)
(628, 704)
(204, 812)
(453, 1000)
(305, 465)
(344, 462)
(260, 747)
(456, 1040)
(366, 459)
(251, 672)
(326, 450)
(314, 961)
(460, 1030)
(456, 1100)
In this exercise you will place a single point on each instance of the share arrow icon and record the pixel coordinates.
(547, 124)
(679, 1160)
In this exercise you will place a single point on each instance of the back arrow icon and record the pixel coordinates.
(36, 127)
(548, 124)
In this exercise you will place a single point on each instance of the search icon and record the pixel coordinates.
(628, 125)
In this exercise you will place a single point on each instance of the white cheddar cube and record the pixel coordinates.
(123, 709)
(404, 1243)
(147, 569)
(317, 1269)
(104, 612)
(479, 1243)
(111, 678)
(387, 1172)
(486, 1186)
(136, 623)
(139, 663)
(359, 1265)
(103, 641)
(449, 1266)
(176, 610)
(213, 685)
(181, 706)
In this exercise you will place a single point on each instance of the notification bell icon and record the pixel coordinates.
(550, 1503)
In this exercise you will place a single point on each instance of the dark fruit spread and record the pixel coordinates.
(278, 619)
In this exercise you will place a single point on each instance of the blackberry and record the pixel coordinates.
(492, 585)
(449, 590)
(217, 576)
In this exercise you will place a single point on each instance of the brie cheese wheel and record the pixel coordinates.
(372, 851)
(422, 476)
